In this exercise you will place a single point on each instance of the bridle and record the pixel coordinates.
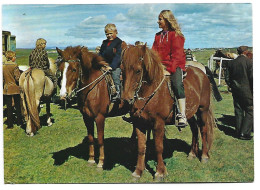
(76, 90)
(140, 83)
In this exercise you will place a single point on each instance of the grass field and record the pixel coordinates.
(58, 154)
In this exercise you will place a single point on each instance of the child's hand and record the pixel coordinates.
(166, 73)
(108, 68)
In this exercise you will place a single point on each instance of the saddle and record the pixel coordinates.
(110, 85)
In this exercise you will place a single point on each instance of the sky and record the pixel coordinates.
(204, 25)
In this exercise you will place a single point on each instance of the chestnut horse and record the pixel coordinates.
(81, 73)
(146, 89)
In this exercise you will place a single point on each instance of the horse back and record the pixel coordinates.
(197, 90)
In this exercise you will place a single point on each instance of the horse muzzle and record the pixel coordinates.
(63, 96)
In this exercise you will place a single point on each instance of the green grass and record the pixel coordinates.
(22, 56)
(58, 154)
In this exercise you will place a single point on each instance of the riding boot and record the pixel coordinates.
(181, 117)
(116, 96)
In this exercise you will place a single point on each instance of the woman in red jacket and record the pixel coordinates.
(169, 43)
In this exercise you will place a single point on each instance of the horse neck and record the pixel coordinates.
(89, 75)
(148, 87)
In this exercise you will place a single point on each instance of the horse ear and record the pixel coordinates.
(144, 47)
(59, 51)
(123, 45)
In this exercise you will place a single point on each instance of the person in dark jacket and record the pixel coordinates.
(111, 51)
(189, 56)
(239, 77)
(11, 91)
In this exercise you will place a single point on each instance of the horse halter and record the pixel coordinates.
(136, 96)
(148, 98)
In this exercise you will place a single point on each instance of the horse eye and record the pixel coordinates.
(74, 70)
(138, 71)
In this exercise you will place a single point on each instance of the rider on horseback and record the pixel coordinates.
(111, 51)
(39, 59)
(169, 43)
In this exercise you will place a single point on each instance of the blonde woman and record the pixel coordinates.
(169, 43)
(39, 59)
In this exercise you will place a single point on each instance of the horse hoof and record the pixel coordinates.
(99, 169)
(30, 134)
(136, 176)
(204, 160)
(100, 165)
(159, 177)
(191, 157)
(91, 162)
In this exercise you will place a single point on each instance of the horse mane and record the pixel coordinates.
(151, 60)
(88, 59)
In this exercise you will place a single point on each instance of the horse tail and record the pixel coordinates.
(32, 108)
(211, 124)
(216, 92)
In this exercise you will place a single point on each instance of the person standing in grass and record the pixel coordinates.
(11, 91)
(239, 77)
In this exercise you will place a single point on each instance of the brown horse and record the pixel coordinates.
(81, 72)
(35, 86)
(146, 89)
(249, 54)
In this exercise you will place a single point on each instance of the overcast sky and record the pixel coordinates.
(204, 25)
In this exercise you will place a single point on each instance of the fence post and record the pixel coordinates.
(220, 68)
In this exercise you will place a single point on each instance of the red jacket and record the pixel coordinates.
(171, 50)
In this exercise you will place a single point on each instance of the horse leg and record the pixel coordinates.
(89, 122)
(100, 122)
(133, 136)
(195, 141)
(203, 130)
(161, 170)
(141, 138)
(48, 111)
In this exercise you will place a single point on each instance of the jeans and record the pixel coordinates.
(116, 77)
(177, 84)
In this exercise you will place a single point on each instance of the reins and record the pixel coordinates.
(100, 77)
(148, 98)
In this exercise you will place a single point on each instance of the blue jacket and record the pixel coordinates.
(112, 53)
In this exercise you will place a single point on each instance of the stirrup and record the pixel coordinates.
(182, 120)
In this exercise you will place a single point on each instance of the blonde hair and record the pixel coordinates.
(40, 42)
(10, 55)
(173, 24)
(111, 27)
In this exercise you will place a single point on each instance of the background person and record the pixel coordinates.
(111, 51)
(239, 77)
(169, 43)
(11, 91)
(189, 56)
